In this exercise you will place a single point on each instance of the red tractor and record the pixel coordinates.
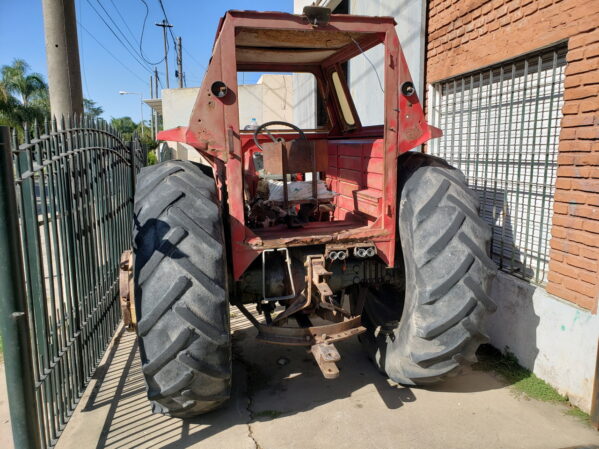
(333, 232)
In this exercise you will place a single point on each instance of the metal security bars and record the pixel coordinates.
(69, 203)
(501, 128)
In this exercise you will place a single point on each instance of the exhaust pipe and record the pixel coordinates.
(365, 251)
(337, 255)
(360, 252)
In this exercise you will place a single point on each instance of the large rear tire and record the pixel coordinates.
(181, 290)
(427, 333)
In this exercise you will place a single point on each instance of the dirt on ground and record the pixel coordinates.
(281, 401)
(5, 430)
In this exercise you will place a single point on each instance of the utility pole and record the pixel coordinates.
(157, 96)
(164, 24)
(153, 112)
(62, 56)
(156, 82)
(180, 61)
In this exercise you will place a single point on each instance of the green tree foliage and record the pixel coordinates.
(124, 125)
(17, 81)
(128, 128)
(23, 95)
(91, 109)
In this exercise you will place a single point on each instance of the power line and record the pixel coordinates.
(159, 80)
(136, 41)
(82, 58)
(174, 40)
(123, 20)
(164, 25)
(194, 59)
(135, 56)
(111, 54)
(167, 21)
(118, 28)
(143, 28)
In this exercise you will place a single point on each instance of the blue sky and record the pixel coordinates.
(22, 36)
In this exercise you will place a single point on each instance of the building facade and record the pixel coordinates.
(515, 86)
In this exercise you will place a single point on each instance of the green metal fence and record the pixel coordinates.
(66, 201)
(164, 152)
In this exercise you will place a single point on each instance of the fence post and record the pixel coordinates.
(132, 151)
(14, 324)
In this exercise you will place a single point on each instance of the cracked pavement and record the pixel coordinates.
(275, 406)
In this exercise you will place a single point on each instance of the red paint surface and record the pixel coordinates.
(363, 170)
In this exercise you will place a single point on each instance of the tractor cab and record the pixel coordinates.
(291, 173)
(330, 178)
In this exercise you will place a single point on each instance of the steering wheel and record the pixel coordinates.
(263, 128)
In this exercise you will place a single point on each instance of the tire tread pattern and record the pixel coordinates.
(448, 272)
(181, 289)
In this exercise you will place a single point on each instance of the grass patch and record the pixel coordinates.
(579, 414)
(521, 379)
(272, 414)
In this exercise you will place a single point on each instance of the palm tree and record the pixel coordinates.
(124, 125)
(16, 81)
(23, 95)
(91, 108)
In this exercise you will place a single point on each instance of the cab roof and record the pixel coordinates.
(283, 38)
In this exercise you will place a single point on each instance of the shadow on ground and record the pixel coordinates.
(286, 380)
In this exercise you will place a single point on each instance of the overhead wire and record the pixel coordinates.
(194, 59)
(82, 53)
(118, 28)
(175, 40)
(143, 28)
(370, 62)
(134, 54)
(167, 21)
(123, 20)
(111, 54)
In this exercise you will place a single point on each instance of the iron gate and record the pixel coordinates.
(66, 202)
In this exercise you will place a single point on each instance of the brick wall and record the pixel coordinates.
(466, 35)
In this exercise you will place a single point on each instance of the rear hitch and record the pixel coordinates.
(326, 356)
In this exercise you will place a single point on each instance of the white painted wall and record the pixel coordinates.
(250, 103)
(177, 105)
(410, 16)
(304, 100)
(270, 99)
(554, 339)
(304, 88)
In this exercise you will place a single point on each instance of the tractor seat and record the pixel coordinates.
(298, 191)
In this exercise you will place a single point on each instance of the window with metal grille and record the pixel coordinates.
(501, 128)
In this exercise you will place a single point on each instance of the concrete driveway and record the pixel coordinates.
(281, 401)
